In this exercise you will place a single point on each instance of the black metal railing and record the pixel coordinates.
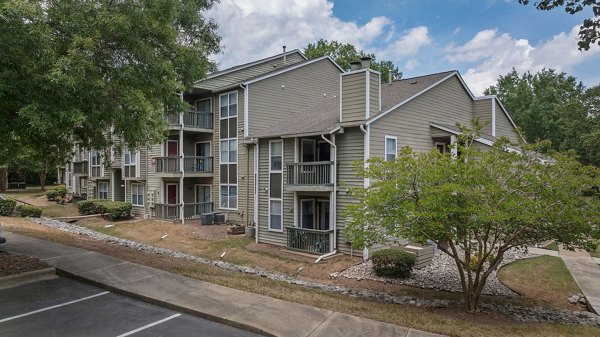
(198, 164)
(314, 173)
(309, 240)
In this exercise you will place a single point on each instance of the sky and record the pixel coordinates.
(482, 39)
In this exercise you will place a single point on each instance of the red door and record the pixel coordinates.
(172, 153)
(172, 148)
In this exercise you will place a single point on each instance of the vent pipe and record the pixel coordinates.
(284, 56)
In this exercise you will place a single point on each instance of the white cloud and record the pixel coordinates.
(252, 29)
(496, 54)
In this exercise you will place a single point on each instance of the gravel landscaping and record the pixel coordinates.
(519, 313)
(441, 274)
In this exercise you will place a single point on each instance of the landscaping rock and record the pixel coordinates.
(574, 299)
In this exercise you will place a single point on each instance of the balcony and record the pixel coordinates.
(192, 120)
(190, 211)
(80, 168)
(192, 166)
(309, 240)
(309, 176)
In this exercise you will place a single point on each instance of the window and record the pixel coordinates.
(137, 194)
(228, 147)
(203, 105)
(130, 160)
(69, 180)
(441, 147)
(390, 148)
(103, 190)
(275, 185)
(96, 165)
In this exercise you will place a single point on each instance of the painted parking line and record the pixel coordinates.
(149, 325)
(52, 307)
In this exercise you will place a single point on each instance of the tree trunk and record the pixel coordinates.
(43, 180)
(3, 179)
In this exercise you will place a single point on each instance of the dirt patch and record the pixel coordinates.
(11, 264)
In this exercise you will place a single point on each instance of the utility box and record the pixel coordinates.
(219, 218)
(207, 219)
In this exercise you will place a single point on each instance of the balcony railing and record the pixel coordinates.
(315, 173)
(80, 167)
(190, 211)
(193, 211)
(309, 240)
(192, 119)
(198, 164)
(167, 211)
(167, 164)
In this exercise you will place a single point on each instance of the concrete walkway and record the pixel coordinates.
(238, 308)
(542, 251)
(586, 273)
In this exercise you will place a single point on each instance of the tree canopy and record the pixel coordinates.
(344, 54)
(589, 31)
(70, 71)
(478, 205)
(553, 106)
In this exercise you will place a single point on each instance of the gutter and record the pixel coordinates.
(333, 201)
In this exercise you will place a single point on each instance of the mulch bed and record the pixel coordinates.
(11, 264)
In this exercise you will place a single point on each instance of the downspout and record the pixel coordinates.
(333, 201)
(181, 163)
(245, 87)
(146, 206)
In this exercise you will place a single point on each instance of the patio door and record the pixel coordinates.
(307, 213)
(172, 153)
(202, 151)
(323, 212)
(202, 199)
(172, 196)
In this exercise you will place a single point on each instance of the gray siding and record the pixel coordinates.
(375, 80)
(354, 104)
(350, 148)
(482, 110)
(447, 103)
(304, 87)
(503, 126)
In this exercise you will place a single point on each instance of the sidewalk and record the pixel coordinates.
(238, 308)
(586, 273)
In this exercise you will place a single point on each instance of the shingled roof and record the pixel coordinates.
(399, 91)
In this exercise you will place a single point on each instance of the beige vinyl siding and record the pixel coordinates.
(354, 105)
(304, 87)
(374, 94)
(350, 148)
(447, 103)
(154, 184)
(503, 126)
(264, 234)
(239, 76)
(482, 110)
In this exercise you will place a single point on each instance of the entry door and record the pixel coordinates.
(172, 197)
(172, 151)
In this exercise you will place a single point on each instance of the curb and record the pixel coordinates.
(28, 277)
(165, 304)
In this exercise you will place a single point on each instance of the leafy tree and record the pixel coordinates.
(589, 31)
(344, 54)
(553, 106)
(72, 70)
(476, 206)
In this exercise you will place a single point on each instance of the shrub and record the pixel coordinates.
(30, 211)
(114, 209)
(51, 194)
(474, 262)
(7, 207)
(393, 262)
(56, 191)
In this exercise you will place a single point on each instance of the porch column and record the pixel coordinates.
(181, 161)
(296, 141)
(454, 150)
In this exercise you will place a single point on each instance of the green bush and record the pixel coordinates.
(393, 262)
(114, 209)
(51, 194)
(7, 207)
(56, 191)
(30, 211)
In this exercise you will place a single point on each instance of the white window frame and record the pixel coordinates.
(386, 152)
(444, 145)
(103, 191)
(96, 154)
(135, 190)
(129, 163)
(69, 179)
(228, 159)
(269, 189)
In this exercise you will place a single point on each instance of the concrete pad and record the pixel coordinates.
(541, 251)
(586, 273)
(120, 274)
(419, 333)
(40, 249)
(282, 318)
(76, 264)
(339, 324)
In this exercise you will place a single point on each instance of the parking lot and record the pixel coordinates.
(64, 307)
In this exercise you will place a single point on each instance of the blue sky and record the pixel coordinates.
(481, 38)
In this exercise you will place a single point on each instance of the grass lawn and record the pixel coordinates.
(545, 278)
(451, 322)
(552, 246)
(35, 196)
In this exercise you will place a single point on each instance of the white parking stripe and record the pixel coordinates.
(149, 325)
(52, 307)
